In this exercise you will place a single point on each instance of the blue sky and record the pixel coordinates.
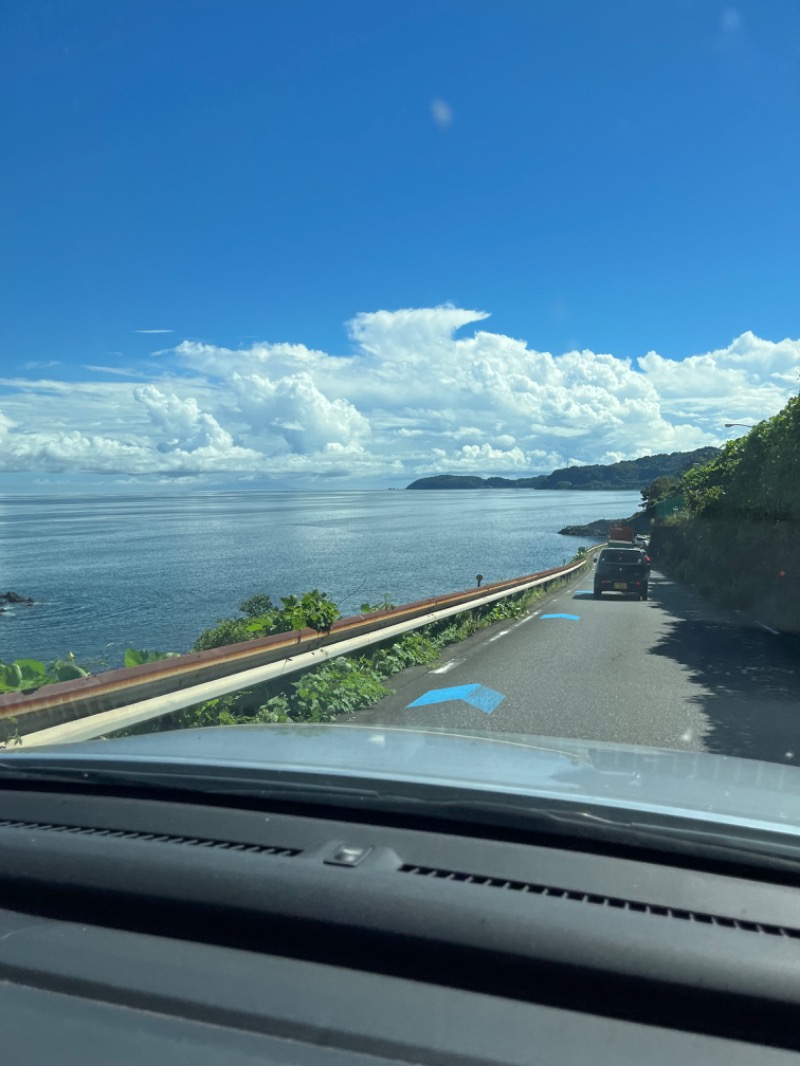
(609, 179)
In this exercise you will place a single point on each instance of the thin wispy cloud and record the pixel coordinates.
(732, 39)
(122, 371)
(154, 331)
(35, 364)
(441, 113)
(730, 20)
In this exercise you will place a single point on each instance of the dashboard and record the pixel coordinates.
(140, 929)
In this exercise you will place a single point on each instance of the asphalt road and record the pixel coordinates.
(672, 672)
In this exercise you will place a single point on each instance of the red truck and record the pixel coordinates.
(620, 536)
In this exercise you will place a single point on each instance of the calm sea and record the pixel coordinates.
(110, 572)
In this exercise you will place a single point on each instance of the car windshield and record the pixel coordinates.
(345, 344)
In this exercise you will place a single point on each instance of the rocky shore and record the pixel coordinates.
(599, 528)
(7, 598)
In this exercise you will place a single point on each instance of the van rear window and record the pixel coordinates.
(621, 555)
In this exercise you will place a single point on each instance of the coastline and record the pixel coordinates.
(638, 522)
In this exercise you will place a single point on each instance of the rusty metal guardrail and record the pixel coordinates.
(94, 706)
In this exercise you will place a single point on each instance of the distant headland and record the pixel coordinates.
(630, 474)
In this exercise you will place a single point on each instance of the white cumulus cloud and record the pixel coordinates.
(293, 408)
(421, 390)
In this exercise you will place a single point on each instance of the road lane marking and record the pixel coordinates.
(447, 666)
(480, 696)
(769, 629)
(497, 636)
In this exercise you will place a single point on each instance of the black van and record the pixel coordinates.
(624, 570)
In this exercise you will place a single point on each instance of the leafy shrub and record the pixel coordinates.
(341, 686)
(136, 658)
(313, 610)
(382, 605)
(22, 675)
(256, 606)
(67, 669)
(26, 675)
(411, 650)
(226, 631)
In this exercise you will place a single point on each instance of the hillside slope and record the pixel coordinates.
(737, 534)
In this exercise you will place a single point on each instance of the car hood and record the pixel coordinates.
(716, 788)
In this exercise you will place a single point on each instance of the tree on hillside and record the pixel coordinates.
(660, 489)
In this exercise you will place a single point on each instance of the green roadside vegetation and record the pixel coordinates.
(347, 683)
(26, 675)
(259, 618)
(730, 527)
(339, 686)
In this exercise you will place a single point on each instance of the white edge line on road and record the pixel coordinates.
(446, 667)
(761, 625)
(497, 636)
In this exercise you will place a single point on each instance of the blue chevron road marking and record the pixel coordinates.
(480, 696)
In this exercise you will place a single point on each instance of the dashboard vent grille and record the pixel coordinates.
(151, 838)
(599, 900)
